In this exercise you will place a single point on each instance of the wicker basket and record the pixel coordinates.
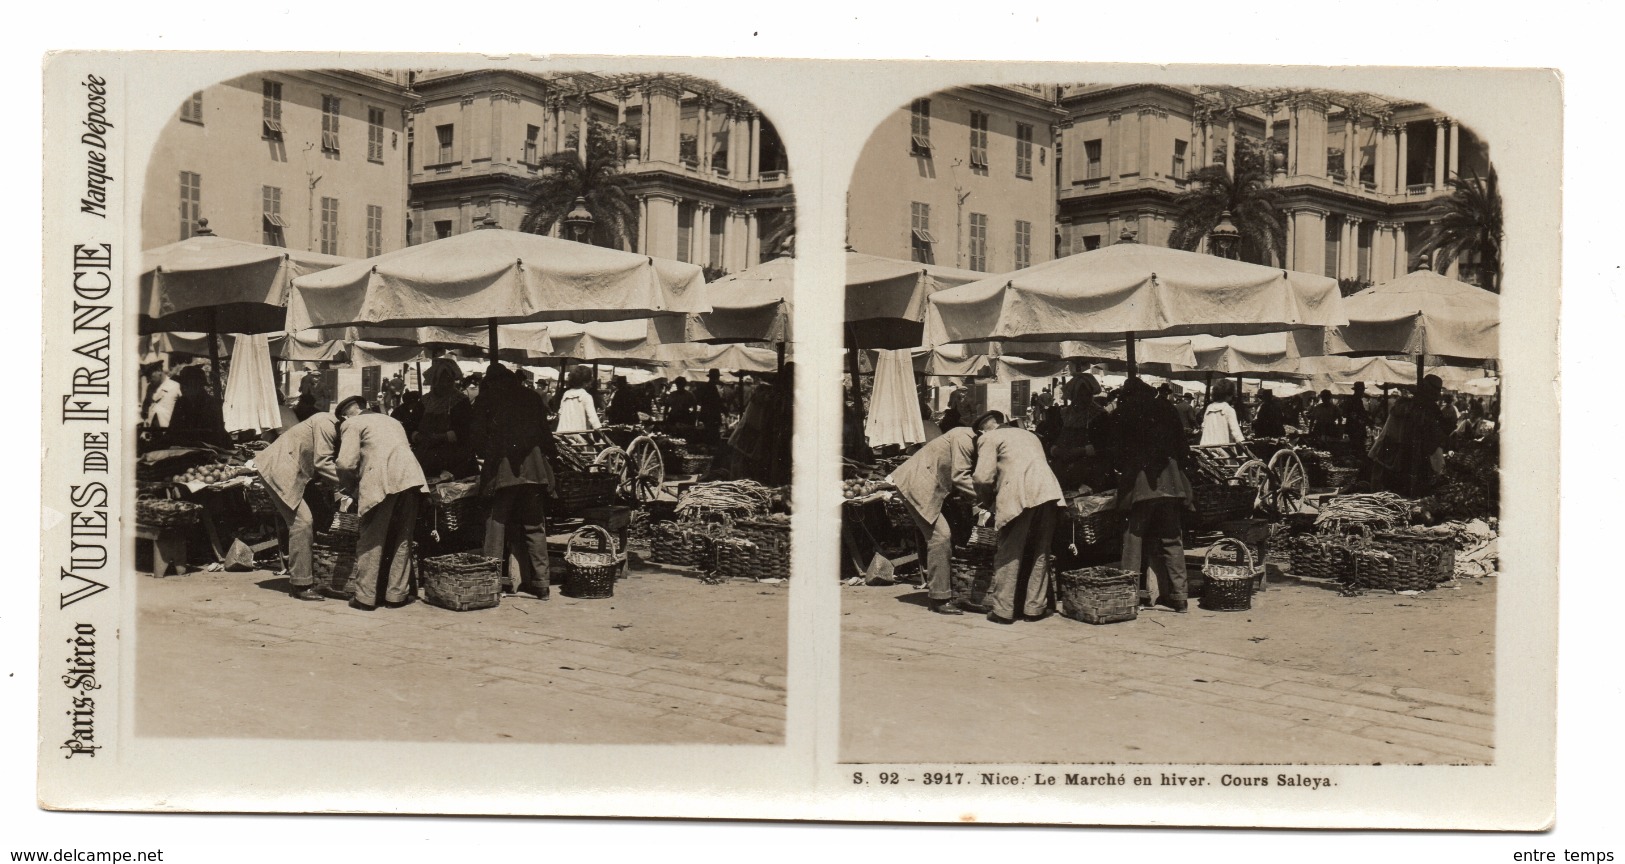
(166, 514)
(679, 544)
(1322, 557)
(1421, 561)
(1228, 587)
(1099, 595)
(1099, 528)
(462, 581)
(346, 523)
(590, 574)
(735, 558)
(1217, 503)
(332, 556)
(972, 578)
(772, 542)
(578, 490)
(1374, 568)
(259, 498)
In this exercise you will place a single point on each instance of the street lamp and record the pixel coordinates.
(1224, 237)
(578, 222)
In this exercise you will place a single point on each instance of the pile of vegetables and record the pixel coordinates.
(732, 499)
(858, 488)
(1378, 510)
(1470, 487)
(214, 472)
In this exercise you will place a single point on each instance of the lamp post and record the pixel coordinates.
(1224, 238)
(578, 222)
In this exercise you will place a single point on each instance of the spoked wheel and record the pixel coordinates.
(1290, 480)
(1256, 474)
(614, 460)
(645, 470)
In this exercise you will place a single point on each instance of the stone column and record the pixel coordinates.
(643, 126)
(1292, 140)
(497, 152)
(1354, 247)
(753, 240)
(1230, 143)
(1206, 126)
(1438, 153)
(725, 252)
(1312, 137)
(1350, 134)
(702, 143)
(1402, 152)
(581, 131)
(753, 153)
(660, 229)
(701, 235)
(1455, 150)
(1402, 258)
(1309, 241)
(555, 123)
(1147, 117)
(1291, 236)
(664, 115)
(1381, 154)
(733, 146)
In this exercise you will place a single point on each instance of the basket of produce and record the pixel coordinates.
(859, 487)
(770, 535)
(1099, 595)
(1374, 511)
(1228, 587)
(198, 476)
(731, 499)
(1422, 558)
(259, 498)
(163, 513)
(1216, 503)
(590, 569)
(736, 559)
(1096, 520)
(462, 581)
(578, 490)
(332, 561)
(971, 578)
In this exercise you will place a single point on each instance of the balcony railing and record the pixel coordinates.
(772, 176)
(1419, 189)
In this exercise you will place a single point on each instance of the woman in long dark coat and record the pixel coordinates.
(1153, 488)
(518, 449)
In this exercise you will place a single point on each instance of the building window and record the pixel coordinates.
(444, 134)
(1091, 159)
(978, 139)
(442, 229)
(330, 126)
(271, 216)
(920, 127)
(1091, 242)
(1024, 244)
(375, 134)
(330, 226)
(978, 242)
(375, 230)
(191, 202)
(271, 110)
(920, 228)
(192, 109)
(532, 133)
(1024, 150)
(1177, 170)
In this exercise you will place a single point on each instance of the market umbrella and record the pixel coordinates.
(492, 276)
(1128, 291)
(251, 399)
(517, 341)
(1421, 314)
(886, 298)
(1335, 372)
(692, 360)
(211, 284)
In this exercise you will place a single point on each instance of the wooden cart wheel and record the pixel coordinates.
(614, 460)
(1256, 474)
(645, 470)
(1290, 480)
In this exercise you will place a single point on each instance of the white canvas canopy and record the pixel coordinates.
(211, 284)
(1420, 314)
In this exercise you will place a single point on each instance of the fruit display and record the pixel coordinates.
(860, 488)
(161, 513)
(210, 474)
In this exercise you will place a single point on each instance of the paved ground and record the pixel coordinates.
(667, 660)
(1307, 676)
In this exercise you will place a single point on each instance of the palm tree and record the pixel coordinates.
(1254, 206)
(778, 233)
(1469, 229)
(600, 181)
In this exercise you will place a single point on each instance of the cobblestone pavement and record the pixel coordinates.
(667, 660)
(1306, 676)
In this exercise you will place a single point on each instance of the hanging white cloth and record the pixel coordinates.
(894, 407)
(251, 402)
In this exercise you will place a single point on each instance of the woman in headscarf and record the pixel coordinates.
(443, 442)
(1153, 489)
(197, 420)
(518, 450)
(577, 413)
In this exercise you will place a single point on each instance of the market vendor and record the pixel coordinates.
(197, 419)
(708, 402)
(303, 454)
(1014, 482)
(1153, 489)
(624, 404)
(938, 471)
(518, 449)
(376, 460)
(443, 441)
(1083, 455)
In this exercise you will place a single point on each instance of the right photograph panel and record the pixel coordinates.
(1171, 429)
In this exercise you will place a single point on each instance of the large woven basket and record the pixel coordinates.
(157, 513)
(1217, 503)
(1322, 557)
(1099, 595)
(1099, 528)
(772, 546)
(574, 491)
(259, 498)
(590, 573)
(735, 558)
(1421, 562)
(680, 544)
(332, 556)
(1341, 478)
(971, 579)
(1228, 587)
(462, 581)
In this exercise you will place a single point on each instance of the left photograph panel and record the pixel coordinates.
(463, 411)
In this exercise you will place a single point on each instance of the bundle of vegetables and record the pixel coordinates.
(732, 499)
(1378, 510)
(1470, 487)
(214, 472)
(858, 488)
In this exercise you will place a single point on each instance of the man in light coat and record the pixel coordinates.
(939, 469)
(375, 456)
(301, 454)
(1014, 481)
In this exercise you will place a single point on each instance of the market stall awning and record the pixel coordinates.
(604, 342)
(308, 346)
(517, 341)
(1338, 373)
(695, 360)
(211, 284)
(753, 305)
(1132, 288)
(1168, 351)
(886, 298)
(496, 276)
(1420, 313)
(1277, 356)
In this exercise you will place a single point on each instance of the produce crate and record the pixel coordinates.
(1099, 595)
(462, 581)
(259, 498)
